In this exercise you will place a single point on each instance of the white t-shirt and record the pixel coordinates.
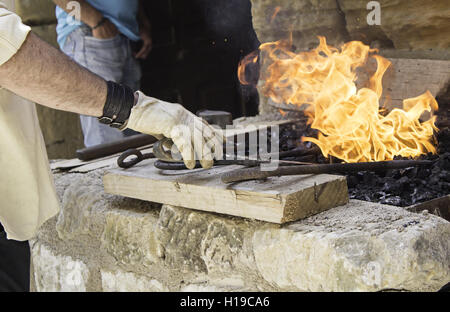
(27, 193)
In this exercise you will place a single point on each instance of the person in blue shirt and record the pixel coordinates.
(99, 35)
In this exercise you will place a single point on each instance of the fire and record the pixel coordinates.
(275, 13)
(351, 124)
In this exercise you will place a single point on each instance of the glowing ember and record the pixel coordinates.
(351, 125)
(275, 13)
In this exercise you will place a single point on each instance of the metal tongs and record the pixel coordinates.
(167, 162)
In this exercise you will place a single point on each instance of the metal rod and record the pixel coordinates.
(247, 174)
(122, 161)
(114, 147)
(168, 165)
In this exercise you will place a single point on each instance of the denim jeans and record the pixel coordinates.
(112, 59)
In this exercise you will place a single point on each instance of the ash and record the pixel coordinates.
(401, 187)
(406, 187)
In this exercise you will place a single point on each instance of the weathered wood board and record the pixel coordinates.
(277, 200)
(106, 162)
(76, 165)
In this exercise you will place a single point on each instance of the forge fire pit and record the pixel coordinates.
(416, 187)
(350, 123)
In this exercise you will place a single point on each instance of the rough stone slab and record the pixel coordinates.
(277, 200)
(129, 236)
(405, 25)
(121, 281)
(53, 272)
(227, 284)
(203, 242)
(303, 19)
(358, 247)
(82, 205)
(412, 25)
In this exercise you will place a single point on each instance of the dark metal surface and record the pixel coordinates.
(161, 153)
(180, 165)
(247, 174)
(219, 118)
(122, 161)
(167, 162)
(439, 206)
(115, 147)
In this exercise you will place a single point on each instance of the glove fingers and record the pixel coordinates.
(217, 142)
(207, 158)
(208, 154)
(202, 150)
(183, 142)
(213, 137)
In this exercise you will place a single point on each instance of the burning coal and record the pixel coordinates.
(351, 125)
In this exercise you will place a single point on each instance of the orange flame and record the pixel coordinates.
(251, 58)
(351, 125)
(275, 13)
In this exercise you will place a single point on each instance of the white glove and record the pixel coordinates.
(194, 138)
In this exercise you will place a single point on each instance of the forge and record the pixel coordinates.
(150, 229)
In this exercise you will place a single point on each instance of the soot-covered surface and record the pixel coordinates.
(402, 187)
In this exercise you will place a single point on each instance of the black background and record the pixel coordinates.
(197, 45)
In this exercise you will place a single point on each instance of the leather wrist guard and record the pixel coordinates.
(119, 102)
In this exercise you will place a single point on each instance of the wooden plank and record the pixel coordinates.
(112, 161)
(74, 163)
(277, 200)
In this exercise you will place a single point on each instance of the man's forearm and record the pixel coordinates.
(89, 15)
(44, 75)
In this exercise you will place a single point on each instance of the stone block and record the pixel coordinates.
(304, 19)
(107, 245)
(120, 281)
(412, 25)
(180, 233)
(358, 247)
(57, 273)
(228, 284)
(407, 25)
(204, 242)
(225, 246)
(129, 236)
(78, 215)
(36, 12)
